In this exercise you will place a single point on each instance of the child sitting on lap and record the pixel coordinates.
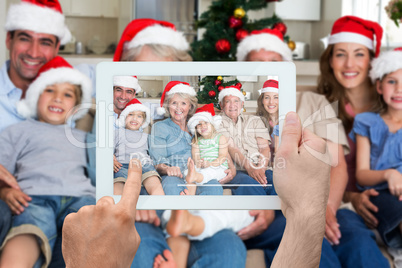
(131, 142)
(48, 159)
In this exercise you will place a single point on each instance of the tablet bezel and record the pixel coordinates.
(105, 71)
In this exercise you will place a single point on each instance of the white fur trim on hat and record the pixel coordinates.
(264, 41)
(127, 81)
(203, 116)
(159, 35)
(182, 88)
(231, 91)
(121, 122)
(26, 16)
(349, 37)
(28, 106)
(386, 63)
(268, 90)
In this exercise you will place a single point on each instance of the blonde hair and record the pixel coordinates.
(329, 86)
(161, 51)
(263, 113)
(192, 99)
(380, 106)
(198, 136)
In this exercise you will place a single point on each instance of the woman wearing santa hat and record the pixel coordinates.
(344, 67)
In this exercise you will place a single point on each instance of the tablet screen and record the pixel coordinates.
(201, 182)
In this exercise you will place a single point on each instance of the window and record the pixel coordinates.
(375, 10)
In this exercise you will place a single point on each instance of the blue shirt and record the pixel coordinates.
(386, 147)
(9, 96)
(169, 145)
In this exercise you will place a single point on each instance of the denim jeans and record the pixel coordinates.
(243, 178)
(169, 184)
(5, 220)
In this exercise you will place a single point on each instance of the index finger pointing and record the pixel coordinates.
(132, 188)
(291, 134)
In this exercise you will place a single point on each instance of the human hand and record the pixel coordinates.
(332, 232)
(104, 235)
(302, 163)
(116, 164)
(257, 173)
(147, 216)
(174, 172)
(15, 199)
(229, 176)
(363, 206)
(263, 218)
(204, 163)
(7, 180)
(394, 179)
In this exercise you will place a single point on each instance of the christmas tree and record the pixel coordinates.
(211, 86)
(226, 23)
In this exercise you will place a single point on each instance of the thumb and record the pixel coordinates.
(291, 135)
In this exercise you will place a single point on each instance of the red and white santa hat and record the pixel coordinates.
(141, 32)
(131, 106)
(267, 39)
(351, 29)
(40, 16)
(175, 87)
(205, 113)
(127, 81)
(231, 91)
(270, 85)
(386, 63)
(55, 71)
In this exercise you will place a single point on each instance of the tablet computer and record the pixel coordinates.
(251, 75)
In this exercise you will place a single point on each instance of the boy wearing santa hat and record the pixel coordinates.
(43, 152)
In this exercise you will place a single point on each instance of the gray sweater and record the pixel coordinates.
(131, 144)
(46, 159)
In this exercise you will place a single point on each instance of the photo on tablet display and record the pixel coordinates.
(192, 126)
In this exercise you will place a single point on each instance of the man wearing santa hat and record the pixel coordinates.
(35, 30)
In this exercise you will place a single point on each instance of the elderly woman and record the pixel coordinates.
(170, 140)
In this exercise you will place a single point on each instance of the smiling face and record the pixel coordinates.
(350, 63)
(232, 106)
(204, 129)
(29, 51)
(122, 96)
(179, 108)
(263, 55)
(390, 87)
(270, 101)
(55, 102)
(134, 120)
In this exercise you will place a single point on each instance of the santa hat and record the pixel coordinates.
(141, 32)
(207, 114)
(386, 63)
(269, 86)
(267, 39)
(231, 91)
(351, 29)
(40, 16)
(127, 81)
(134, 105)
(175, 87)
(55, 71)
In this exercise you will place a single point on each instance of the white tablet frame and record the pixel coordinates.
(105, 71)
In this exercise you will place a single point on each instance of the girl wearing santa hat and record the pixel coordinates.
(344, 67)
(131, 142)
(378, 139)
(46, 156)
(268, 103)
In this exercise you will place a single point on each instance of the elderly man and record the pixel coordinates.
(344, 229)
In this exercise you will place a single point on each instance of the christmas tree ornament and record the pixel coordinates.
(240, 34)
(244, 110)
(212, 93)
(218, 82)
(238, 85)
(220, 88)
(220, 78)
(280, 26)
(222, 46)
(291, 45)
(244, 93)
(235, 23)
(239, 13)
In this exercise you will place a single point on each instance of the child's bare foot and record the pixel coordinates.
(191, 173)
(166, 261)
(178, 223)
